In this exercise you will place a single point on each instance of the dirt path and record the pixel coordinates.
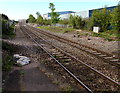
(29, 77)
(35, 80)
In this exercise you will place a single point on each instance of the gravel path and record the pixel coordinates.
(29, 77)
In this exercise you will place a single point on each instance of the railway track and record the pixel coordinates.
(97, 80)
(109, 70)
(109, 58)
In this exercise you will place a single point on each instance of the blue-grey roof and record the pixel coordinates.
(108, 8)
(63, 12)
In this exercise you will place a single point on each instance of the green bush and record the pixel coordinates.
(100, 18)
(64, 22)
(7, 29)
(115, 18)
(7, 59)
(76, 22)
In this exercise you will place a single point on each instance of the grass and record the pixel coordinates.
(57, 29)
(7, 62)
(109, 35)
(7, 58)
(67, 89)
(8, 33)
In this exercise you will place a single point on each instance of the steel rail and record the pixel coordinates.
(75, 42)
(69, 72)
(96, 71)
(70, 43)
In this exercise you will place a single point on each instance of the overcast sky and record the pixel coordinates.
(20, 9)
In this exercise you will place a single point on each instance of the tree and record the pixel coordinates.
(38, 14)
(101, 18)
(7, 29)
(65, 21)
(115, 18)
(76, 22)
(54, 16)
(31, 19)
(79, 22)
(72, 21)
(47, 21)
(40, 20)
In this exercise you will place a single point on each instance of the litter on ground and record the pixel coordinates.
(21, 60)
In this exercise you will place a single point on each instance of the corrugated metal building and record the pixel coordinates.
(108, 8)
(83, 14)
(63, 15)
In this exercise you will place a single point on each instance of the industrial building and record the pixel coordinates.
(83, 14)
(63, 15)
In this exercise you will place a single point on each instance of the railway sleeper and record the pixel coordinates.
(108, 57)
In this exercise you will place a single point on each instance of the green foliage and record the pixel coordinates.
(101, 18)
(39, 20)
(79, 22)
(109, 35)
(7, 59)
(47, 22)
(72, 21)
(7, 28)
(64, 22)
(57, 29)
(76, 22)
(7, 62)
(115, 18)
(38, 14)
(54, 16)
(86, 24)
(31, 19)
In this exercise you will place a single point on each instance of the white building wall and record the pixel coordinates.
(66, 16)
(83, 14)
(45, 16)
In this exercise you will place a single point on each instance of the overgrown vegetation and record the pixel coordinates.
(39, 19)
(54, 15)
(7, 26)
(7, 56)
(115, 18)
(76, 22)
(108, 21)
(100, 18)
(31, 19)
(108, 35)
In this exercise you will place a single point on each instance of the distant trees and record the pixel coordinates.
(54, 16)
(76, 22)
(39, 19)
(105, 19)
(31, 19)
(65, 21)
(38, 14)
(72, 21)
(47, 22)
